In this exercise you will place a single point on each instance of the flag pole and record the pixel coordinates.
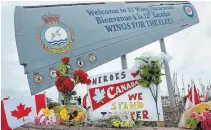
(183, 85)
(192, 90)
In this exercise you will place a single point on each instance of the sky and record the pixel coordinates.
(190, 50)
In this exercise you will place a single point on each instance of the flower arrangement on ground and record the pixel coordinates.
(66, 80)
(197, 121)
(45, 117)
(65, 83)
(116, 122)
(71, 115)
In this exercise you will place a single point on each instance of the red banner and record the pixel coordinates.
(101, 95)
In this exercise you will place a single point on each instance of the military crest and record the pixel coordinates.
(55, 36)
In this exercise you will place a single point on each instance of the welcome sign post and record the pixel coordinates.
(92, 34)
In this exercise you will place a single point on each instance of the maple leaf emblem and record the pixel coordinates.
(99, 95)
(21, 111)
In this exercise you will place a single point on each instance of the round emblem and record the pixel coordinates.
(38, 79)
(188, 10)
(92, 58)
(55, 36)
(52, 72)
(80, 63)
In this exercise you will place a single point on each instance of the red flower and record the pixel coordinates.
(81, 75)
(64, 84)
(206, 124)
(58, 73)
(88, 82)
(65, 59)
(78, 73)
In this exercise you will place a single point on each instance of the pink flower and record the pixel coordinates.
(44, 122)
(59, 120)
(206, 124)
(200, 117)
(206, 114)
(36, 121)
(193, 114)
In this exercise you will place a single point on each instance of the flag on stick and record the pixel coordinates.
(17, 112)
(192, 99)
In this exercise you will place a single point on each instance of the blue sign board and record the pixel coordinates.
(91, 34)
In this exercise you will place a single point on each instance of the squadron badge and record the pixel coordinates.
(80, 63)
(38, 79)
(55, 36)
(92, 58)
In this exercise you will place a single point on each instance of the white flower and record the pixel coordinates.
(137, 64)
(40, 112)
(165, 57)
(154, 59)
(151, 56)
(148, 54)
(52, 117)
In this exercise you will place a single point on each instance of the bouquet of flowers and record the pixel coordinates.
(149, 67)
(45, 117)
(206, 120)
(64, 83)
(197, 121)
(71, 117)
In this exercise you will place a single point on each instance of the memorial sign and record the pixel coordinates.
(119, 93)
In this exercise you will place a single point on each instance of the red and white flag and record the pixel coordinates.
(192, 98)
(17, 112)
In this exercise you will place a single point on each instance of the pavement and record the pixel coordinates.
(31, 126)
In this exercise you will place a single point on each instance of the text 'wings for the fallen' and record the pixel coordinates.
(91, 34)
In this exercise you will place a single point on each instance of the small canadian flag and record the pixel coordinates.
(17, 112)
(193, 97)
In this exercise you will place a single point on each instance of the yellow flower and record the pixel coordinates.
(79, 117)
(64, 114)
(46, 112)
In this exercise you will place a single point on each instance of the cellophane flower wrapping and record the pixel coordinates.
(45, 117)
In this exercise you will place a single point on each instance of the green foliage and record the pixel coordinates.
(150, 72)
(192, 123)
(77, 79)
(71, 123)
(187, 120)
(52, 104)
(144, 83)
(63, 69)
(116, 122)
(138, 123)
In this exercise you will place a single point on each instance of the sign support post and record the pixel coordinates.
(124, 62)
(168, 74)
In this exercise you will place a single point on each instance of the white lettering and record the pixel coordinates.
(118, 91)
(109, 93)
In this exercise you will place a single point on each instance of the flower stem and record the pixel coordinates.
(77, 79)
(155, 99)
